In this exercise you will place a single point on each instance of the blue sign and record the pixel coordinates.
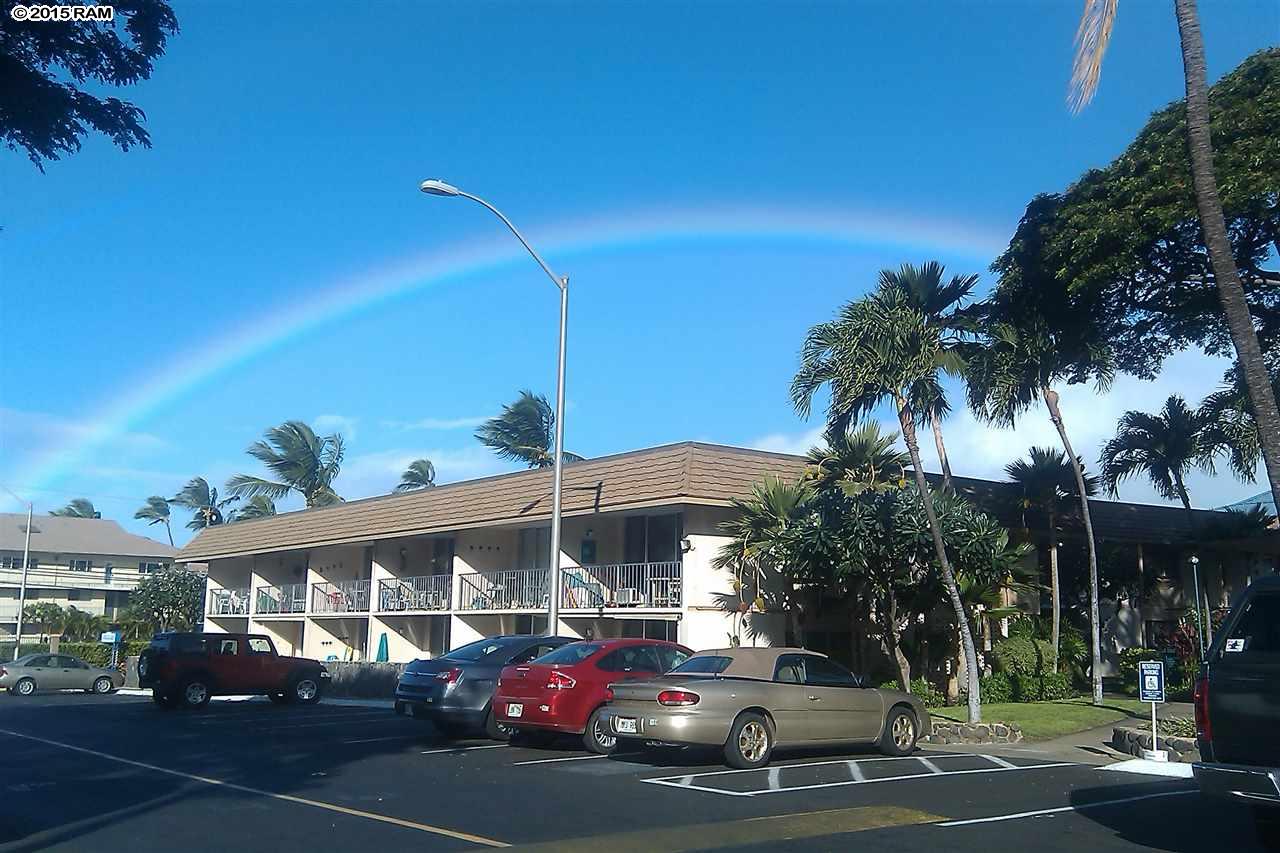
(110, 636)
(1151, 681)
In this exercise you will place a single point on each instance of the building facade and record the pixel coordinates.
(413, 575)
(91, 564)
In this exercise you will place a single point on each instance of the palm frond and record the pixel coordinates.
(1092, 38)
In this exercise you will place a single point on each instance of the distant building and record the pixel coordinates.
(91, 564)
(1262, 499)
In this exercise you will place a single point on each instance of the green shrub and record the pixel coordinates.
(995, 688)
(1043, 688)
(1022, 656)
(94, 654)
(1129, 660)
(931, 696)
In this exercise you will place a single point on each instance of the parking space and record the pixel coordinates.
(91, 772)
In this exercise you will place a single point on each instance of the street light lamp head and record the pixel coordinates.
(432, 186)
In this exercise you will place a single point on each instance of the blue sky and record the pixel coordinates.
(151, 299)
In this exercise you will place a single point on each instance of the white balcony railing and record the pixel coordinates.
(621, 585)
(285, 598)
(340, 597)
(229, 601)
(425, 592)
(514, 589)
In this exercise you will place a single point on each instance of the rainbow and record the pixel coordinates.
(559, 243)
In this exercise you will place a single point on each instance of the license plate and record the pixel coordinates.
(624, 725)
(515, 710)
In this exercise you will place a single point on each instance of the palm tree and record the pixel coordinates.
(77, 508)
(883, 348)
(302, 462)
(939, 303)
(524, 432)
(202, 499)
(1091, 44)
(1165, 447)
(258, 506)
(156, 511)
(420, 474)
(1231, 426)
(1046, 479)
(1021, 361)
(858, 460)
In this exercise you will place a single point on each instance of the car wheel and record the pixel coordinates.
(305, 690)
(595, 738)
(103, 685)
(1266, 825)
(194, 693)
(900, 733)
(24, 687)
(750, 742)
(494, 729)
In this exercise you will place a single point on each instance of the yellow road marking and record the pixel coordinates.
(289, 798)
(756, 830)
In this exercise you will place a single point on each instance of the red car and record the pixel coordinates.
(564, 690)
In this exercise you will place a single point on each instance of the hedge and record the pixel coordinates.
(1001, 687)
(1022, 656)
(931, 696)
(94, 654)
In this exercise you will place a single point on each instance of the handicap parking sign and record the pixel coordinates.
(1151, 681)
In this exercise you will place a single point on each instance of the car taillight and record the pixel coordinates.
(677, 698)
(450, 676)
(1200, 698)
(608, 692)
(559, 681)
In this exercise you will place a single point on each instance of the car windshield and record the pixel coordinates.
(572, 653)
(479, 650)
(703, 665)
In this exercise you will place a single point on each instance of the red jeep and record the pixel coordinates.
(184, 670)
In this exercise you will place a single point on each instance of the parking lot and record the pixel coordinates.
(115, 772)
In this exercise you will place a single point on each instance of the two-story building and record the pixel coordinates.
(91, 564)
(430, 570)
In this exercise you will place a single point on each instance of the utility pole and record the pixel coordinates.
(22, 587)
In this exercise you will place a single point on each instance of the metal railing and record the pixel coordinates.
(648, 585)
(340, 597)
(423, 592)
(229, 601)
(514, 589)
(285, 598)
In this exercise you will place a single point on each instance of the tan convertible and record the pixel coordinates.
(750, 700)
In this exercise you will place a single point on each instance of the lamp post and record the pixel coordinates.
(440, 188)
(1200, 616)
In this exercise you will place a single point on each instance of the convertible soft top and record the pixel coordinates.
(753, 662)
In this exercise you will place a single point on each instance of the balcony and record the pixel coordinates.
(229, 602)
(621, 585)
(426, 592)
(282, 599)
(341, 597)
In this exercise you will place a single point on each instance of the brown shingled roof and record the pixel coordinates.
(690, 473)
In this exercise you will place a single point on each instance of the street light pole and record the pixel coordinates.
(440, 188)
(22, 588)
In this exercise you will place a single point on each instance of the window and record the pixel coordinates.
(73, 595)
(630, 659)
(442, 556)
(530, 624)
(229, 647)
(106, 573)
(64, 662)
(260, 646)
(81, 565)
(40, 661)
(652, 538)
(1257, 630)
(478, 650)
(703, 665)
(534, 548)
(821, 672)
(572, 653)
(149, 568)
(189, 644)
(789, 669)
(535, 651)
(670, 657)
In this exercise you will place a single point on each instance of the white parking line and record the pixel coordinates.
(995, 759)
(914, 776)
(377, 739)
(855, 771)
(1061, 809)
(463, 748)
(929, 765)
(553, 760)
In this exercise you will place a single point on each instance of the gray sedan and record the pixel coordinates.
(42, 671)
(746, 701)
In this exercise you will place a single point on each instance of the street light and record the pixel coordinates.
(1200, 617)
(440, 188)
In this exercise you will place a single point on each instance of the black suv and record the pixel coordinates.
(1237, 702)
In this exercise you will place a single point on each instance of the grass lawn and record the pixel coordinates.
(1046, 720)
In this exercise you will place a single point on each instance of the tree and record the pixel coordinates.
(883, 348)
(858, 460)
(258, 506)
(169, 599)
(77, 508)
(156, 511)
(1092, 39)
(1164, 447)
(79, 626)
(524, 432)
(202, 499)
(1046, 479)
(1231, 425)
(44, 106)
(420, 474)
(49, 616)
(301, 461)
(940, 303)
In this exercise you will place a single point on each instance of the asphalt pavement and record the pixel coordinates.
(109, 773)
